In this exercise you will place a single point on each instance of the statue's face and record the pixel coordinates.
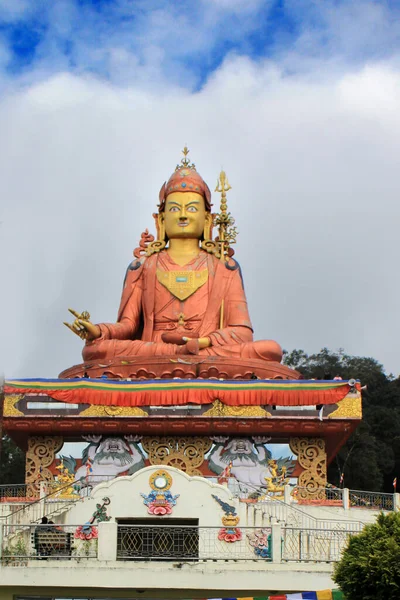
(185, 215)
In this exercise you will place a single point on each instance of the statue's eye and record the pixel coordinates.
(191, 209)
(174, 209)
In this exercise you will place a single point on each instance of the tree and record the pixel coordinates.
(370, 460)
(12, 462)
(370, 566)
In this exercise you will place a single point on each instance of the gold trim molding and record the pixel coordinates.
(113, 411)
(219, 409)
(349, 408)
(9, 410)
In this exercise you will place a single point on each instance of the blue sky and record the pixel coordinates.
(298, 100)
(185, 41)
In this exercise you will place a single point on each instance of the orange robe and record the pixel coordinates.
(148, 309)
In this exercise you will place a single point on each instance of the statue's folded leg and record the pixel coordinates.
(262, 349)
(107, 349)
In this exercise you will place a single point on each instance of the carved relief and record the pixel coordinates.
(113, 411)
(9, 410)
(312, 457)
(184, 453)
(222, 410)
(349, 407)
(40, 455)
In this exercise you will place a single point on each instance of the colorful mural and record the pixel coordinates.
(256, 467)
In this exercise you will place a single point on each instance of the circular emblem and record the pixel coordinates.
(160, 480)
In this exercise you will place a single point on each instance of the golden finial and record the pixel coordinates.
(185, 162)
(227, 232)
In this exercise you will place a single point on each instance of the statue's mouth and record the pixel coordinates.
(183, 224)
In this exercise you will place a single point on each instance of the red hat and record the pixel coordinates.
(185, 179)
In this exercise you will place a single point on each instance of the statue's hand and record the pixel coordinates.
(203, 342)
(83, 327)
(133, 438)
(260, 439)
(219, 439)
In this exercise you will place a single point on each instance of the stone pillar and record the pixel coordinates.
(1, 541)
(107, 548)
(287, 498)
(276, 543)
(396, 502)
(346, 498)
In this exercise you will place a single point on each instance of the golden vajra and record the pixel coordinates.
(227, 232)
(76, 326)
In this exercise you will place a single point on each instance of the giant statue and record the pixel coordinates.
(183, 294)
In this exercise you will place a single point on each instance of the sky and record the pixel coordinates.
(297, 100)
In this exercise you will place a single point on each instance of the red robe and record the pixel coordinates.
(148, 309)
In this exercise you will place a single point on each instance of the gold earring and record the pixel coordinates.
(160, 243)
(208, 244)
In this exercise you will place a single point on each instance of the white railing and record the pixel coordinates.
(295, 517)
(314, 545)
(52, 504)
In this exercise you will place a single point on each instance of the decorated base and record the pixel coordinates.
(183, 367)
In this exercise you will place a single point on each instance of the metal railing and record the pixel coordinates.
(192, 543)
(47, 542)
(373, 500)
(33, 510)
(296, 517)
(13, 492)
(324, 496)
(314, 545)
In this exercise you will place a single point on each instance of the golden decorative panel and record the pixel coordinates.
(113, 411)
(184, 453)
(10, 400)
(219, 409)
(350, 407)
(311, 455)
(40, 455)
(182, 284)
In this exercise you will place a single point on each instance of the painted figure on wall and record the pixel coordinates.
(105, 458)
(251, 463)
(183, 293)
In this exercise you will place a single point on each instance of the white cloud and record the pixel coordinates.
(314, 170)
(12, 10)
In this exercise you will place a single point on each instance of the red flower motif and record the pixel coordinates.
(83, 532)
(229, 535)
(157, 509)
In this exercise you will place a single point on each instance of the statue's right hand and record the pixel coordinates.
(83, 327)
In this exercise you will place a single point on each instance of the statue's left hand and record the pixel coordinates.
(203, 342)
(83, 327)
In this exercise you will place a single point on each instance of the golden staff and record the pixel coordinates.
(226, 234)
(223, 219)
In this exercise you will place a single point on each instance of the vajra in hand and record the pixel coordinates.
(82, 326)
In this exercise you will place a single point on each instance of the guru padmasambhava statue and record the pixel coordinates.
(184, 292)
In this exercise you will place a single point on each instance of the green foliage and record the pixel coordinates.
(371, 458)
(15, 553)
(370, 566)
(12, 462)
